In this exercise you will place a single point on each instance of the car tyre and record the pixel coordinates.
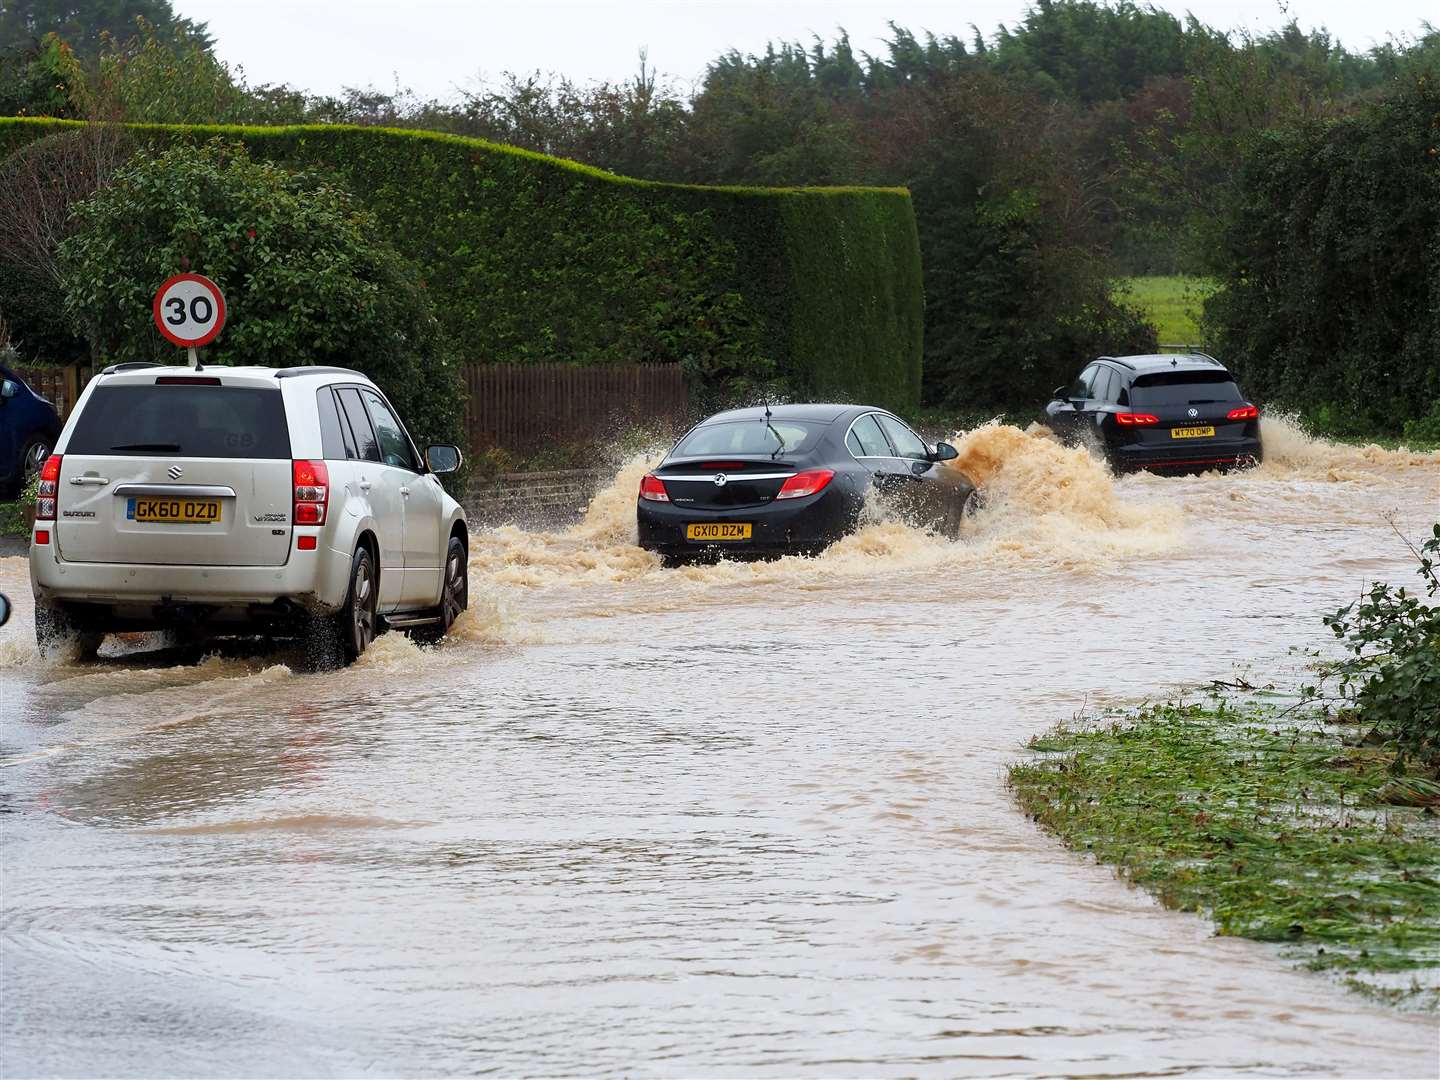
(957, 512)
(454, 593)
(355, 624)
(58, 635)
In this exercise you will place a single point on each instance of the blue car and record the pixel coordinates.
(29, 426)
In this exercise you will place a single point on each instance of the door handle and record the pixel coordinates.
(98, 481)
(364, 485)
(405, 491)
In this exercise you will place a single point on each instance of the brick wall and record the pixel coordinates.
(532, 500)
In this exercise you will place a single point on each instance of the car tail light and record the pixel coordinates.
(805, 483)
(312, 492)
(1134, 419)
(652, 489)
(180, 380)
(47, 492)
(1245, 412)
(42, 536)
(305, 543)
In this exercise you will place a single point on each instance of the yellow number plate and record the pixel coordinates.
(1192, 432)
(151, 508)
(719, 530)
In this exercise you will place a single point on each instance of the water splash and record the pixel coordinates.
(1044, 502)
(1291, 451)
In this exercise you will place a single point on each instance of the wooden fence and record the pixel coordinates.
(517, 407)
(523, 408)
(60, 385)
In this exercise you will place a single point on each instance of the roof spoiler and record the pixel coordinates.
(1190, 350)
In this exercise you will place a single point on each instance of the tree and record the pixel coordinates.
(45, 79)
(304, 279)
(1089, 52)
(84, 24)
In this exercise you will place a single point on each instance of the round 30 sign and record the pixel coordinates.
(189, 310)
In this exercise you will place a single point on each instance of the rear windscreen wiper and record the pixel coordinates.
(157, 447)
(779, 438)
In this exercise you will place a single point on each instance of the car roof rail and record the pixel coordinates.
(130, 365)
(1190, 350)
(308, 369)
(1118, 360)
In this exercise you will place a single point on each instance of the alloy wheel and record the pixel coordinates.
(455, 598)
(35, 455)
(362, 607)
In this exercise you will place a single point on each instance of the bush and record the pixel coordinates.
(529, 259)
(305, 280)
(1425, 429)
(1391, 678)
(1330, 284)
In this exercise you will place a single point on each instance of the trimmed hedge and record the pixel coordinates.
(530, 259)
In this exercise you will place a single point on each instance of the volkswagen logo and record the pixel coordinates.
(721, 479)
(175, 472)
(1194, 413)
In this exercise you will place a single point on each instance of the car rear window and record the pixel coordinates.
(1183, 388)
(750, 437)
(187, 421)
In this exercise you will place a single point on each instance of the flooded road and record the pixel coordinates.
(731, 820)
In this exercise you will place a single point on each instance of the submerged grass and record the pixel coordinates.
(1271, 824)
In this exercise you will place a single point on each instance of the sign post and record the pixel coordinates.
(190, 312)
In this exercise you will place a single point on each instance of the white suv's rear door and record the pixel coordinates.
(188, 470)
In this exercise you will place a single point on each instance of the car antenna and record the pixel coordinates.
(778, 437)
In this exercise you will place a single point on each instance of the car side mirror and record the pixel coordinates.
(4, 609)
(9, 388)
(1060, 393)
(442, 459)
(944, 452)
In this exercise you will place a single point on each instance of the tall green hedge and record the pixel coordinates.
(1330, 266)
(531, 259)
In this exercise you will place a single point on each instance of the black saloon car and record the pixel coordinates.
(791, 480)
(1164, 413)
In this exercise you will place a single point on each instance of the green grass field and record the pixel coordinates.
(1172, 303)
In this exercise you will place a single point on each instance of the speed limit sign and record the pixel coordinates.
(189, 310)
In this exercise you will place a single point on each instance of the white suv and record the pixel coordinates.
(243, 500)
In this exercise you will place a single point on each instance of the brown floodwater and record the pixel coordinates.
(747, 819)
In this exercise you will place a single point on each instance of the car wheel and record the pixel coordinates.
(58, 636)
(958, 511)
(33, 458)
(356, 620)
(454, 593)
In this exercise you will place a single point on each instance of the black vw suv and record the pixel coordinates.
(1165, 413)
